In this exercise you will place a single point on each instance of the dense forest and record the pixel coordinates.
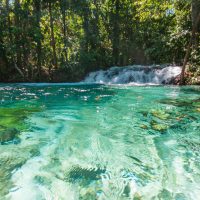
(62, 40)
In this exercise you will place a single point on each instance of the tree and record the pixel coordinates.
(195, 13)
(38, 35)
(63, 9)
(53, 41)
(79, 36)
(115, 20)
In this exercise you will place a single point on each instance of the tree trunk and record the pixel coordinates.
(195, 13)
(188, 51)
(116, 34)
(18, 35)
(96, 39)
(53, 42)
(19, 71)
(3, 61)
(63, 11)
(37, 5)
(86, 28)
(8, 20)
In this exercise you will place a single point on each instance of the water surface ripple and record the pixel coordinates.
(90, 142)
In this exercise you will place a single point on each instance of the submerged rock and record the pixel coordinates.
(160, 114)
(88, 194)
(143, 126)
(158, 127)
(14, 117)
(180, 196)
(156, 116)
(2, 128)
(7, 165)
(165, 195)
(11, 160)
(175, 102)
(191, 144)
(137, 197)
(42, 180)
(181, 102)
(144, 113)
(9, 135)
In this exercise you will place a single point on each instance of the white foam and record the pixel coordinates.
(135, 75)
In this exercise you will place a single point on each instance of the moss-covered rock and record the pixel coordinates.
(181, 102)
(137, 196)
(196, 104)
(158, 126)
(176, 102)
(143, 126)
(9, 135)
(14, 117)
(160, 114)
(198, 109)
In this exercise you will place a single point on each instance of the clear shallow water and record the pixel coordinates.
(100, 142)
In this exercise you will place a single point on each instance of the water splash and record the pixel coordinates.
(135, 75)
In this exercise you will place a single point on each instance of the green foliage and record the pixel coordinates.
(86, 35)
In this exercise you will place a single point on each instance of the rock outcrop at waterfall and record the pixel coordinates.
(135, 75)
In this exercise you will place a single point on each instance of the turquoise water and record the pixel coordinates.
(98, 142)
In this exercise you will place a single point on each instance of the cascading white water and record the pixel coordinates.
(135, 75)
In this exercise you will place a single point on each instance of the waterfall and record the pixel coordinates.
(135, 75)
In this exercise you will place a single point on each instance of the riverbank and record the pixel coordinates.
(158, 74)
(55, 76)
